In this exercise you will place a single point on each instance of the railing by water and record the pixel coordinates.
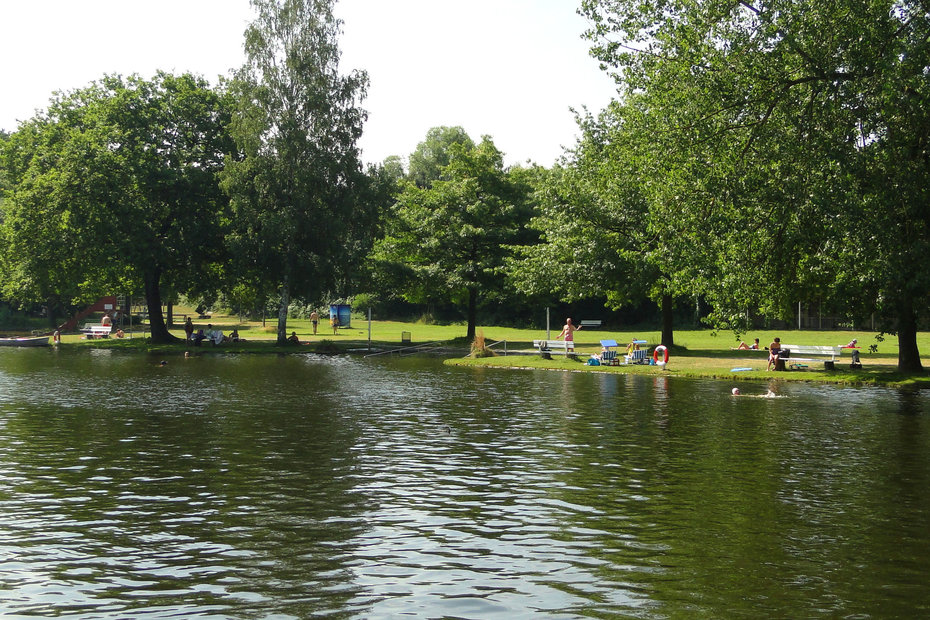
(417, 348)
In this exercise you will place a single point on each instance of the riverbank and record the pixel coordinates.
(683, 364)
(698, 353)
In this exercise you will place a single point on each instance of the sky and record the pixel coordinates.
(510, 69)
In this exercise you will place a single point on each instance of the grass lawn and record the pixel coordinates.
(697, 353)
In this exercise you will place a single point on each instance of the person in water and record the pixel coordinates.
(769, 394)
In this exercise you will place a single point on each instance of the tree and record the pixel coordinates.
(115, 188)
(434, 153)
(37, 261)
(802, 123)
(597, 220)
(295, 191)
(449, 240)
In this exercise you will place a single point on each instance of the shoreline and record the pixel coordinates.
(702, 355)
(712, 368)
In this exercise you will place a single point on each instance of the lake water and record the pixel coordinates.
(301, 486)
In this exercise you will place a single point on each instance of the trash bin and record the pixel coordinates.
(343, 312)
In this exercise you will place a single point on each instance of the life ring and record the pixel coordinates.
(655, 355)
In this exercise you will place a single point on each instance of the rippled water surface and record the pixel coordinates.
(298, 486)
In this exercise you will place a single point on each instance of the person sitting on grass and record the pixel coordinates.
(214, 335)
(198, 337)
(293, 339)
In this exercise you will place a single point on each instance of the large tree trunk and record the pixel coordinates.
(668, 320)
(472, 313)
(160, 333)
(282, 311)
(53, 312)
(908, 353)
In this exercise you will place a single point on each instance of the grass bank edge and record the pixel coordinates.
(709, 368)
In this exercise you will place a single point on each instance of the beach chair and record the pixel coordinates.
(608, 355)
(639, 356)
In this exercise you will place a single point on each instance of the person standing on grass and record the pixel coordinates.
(314, 319)
(334, 321)
(188, 329)
(568, 332)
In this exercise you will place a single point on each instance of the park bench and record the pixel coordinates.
(547, 347)
(96, 331)
(591, 324)
(792, 359)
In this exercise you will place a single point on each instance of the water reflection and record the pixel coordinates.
(293, 486)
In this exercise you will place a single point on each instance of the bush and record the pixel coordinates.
(299, 310)
(362, 302)
(479, 348)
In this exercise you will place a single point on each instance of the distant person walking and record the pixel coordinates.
(188, 329)
(334, 321)
(314, 320)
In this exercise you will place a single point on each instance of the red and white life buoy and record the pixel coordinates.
(655, 355)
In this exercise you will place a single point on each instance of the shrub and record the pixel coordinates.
(479, 348)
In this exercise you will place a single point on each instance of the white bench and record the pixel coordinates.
(795, 350)
(592, 324)
(97, 331)
(548, 347)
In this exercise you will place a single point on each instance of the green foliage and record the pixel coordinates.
(789, 148)
(299, 310)
(435, 153)
(448, 241)
(298, 213)
(115, 189)
(363, 302)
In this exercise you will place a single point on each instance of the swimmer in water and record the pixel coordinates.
(769, 394)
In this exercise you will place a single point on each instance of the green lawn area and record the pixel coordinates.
(697, 353)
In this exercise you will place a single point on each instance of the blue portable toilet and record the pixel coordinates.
(343, 312)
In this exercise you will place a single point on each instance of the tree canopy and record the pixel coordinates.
(295, 190)
(793, 140)
(115, 188)
(449, 240)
